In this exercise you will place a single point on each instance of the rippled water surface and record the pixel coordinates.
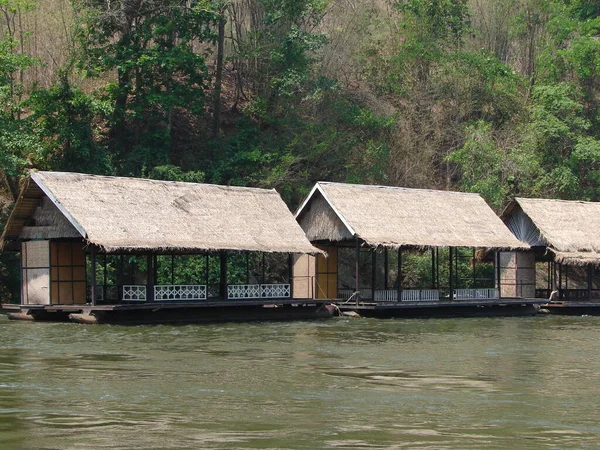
(341, 383)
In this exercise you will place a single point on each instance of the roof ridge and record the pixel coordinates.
(398, 188)
(152, 180)
(556, 200)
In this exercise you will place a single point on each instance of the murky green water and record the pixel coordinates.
(361, 383)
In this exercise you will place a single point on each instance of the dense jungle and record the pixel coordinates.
(500, 98)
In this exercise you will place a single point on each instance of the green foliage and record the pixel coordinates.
(151, 48)
(438, 19)
(481, 163)
(64, 119)
(174, 173)
(17, 141)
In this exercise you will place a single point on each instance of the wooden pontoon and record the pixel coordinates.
(404, 252)
(127, 250)
(565, 246)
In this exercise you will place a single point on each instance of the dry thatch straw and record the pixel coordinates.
(135, 214)
(567, 228)
(400, 217)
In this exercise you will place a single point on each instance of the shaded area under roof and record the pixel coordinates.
(133, 214)
(397, 217)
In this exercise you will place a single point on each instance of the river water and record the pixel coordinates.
(339, 383)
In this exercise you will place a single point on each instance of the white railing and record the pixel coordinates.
(420, 295)
(472, 294)
(240, 291)
(167, 292)
(386, 295)
(345, 294)
(275, 291)
(134, 293)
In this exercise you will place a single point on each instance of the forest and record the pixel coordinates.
(494, 97)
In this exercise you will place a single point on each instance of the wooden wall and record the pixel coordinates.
(68, 273)
(35, 273)
(327, 274)
(517, 274)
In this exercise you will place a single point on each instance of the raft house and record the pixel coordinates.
(396, 252)
(101, 249)
(565, 251)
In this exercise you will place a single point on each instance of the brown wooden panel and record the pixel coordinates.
(64, 254)
(79, 291)
(332, 286)
(65, 293)
(54, 292)
(321, 264)
(78, 273)
(54, 274)
(65, 273)
(78, 255)
(321, 287)
(53, 253)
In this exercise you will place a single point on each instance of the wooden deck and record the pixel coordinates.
(575, 308)
(446, 308)
(173, 312)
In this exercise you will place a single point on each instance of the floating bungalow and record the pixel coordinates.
(400, 252)
(564, 258)
(124, 250)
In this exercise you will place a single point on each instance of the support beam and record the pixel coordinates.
(385, 269)
(223, 275)
(357, 267)
(399, 273)
(589, 281)
(373, 273)
(291, 273)
(432, 268)
(560, 289)
(150, 278)
(451, 272)
(498, 277)
(93, 261)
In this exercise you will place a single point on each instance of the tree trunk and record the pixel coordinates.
(218, 79)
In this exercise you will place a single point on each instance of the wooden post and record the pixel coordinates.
(93, 258)
(291, 273)
(105, 278)
(399, 274)
(589, 281)
(149, 278)
(172, 269)
(437, 266)
(385, 269)
(560, 289)
(473, 263)
(206, 272)
(432, 268)
(357, 267)
(223, 275)
(22, 264)
(498, 280)
(373, 273)
(450, 280)
(247, 267)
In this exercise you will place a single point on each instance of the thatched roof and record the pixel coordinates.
(135, 214)
(568, 228)
(402, 217)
